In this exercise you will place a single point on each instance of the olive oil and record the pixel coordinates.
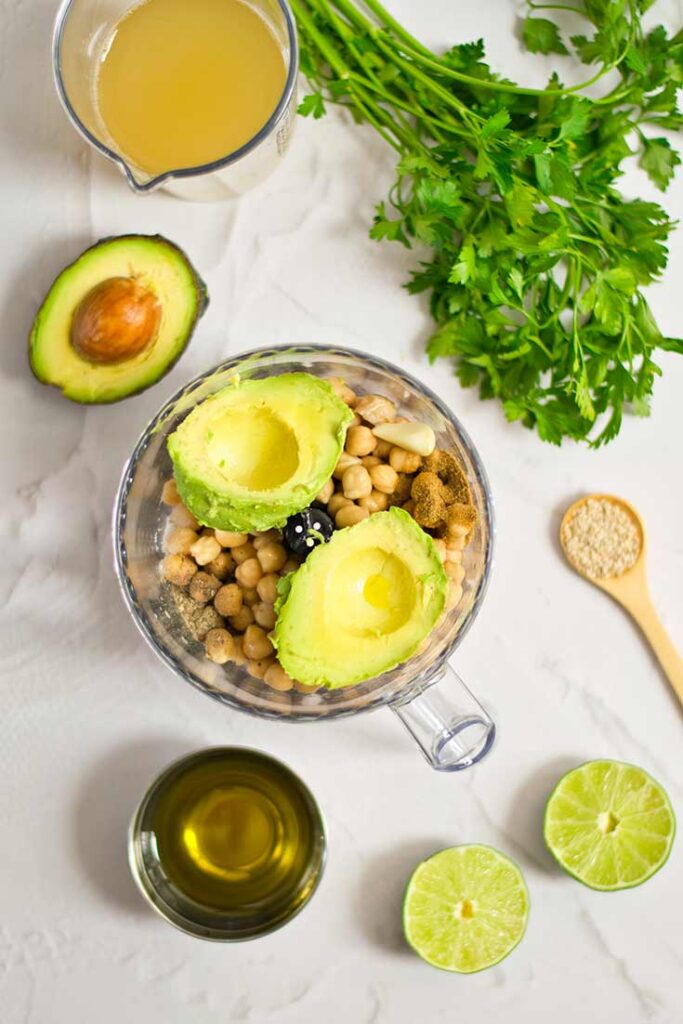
(230, 837)
(185, 82)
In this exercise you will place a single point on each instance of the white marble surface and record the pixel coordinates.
(87, 715)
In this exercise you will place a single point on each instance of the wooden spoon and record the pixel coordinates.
(631, 590)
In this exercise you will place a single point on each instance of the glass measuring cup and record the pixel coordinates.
(450, 726)
(82, 31)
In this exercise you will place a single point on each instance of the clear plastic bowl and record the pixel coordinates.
(450, 726)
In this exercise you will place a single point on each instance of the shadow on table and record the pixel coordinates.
(104, 807)
(378, 903)
(525, 820)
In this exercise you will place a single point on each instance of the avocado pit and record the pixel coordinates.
(117, 320)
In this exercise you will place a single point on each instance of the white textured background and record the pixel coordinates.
(87, 716)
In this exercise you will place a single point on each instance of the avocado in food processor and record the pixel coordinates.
(361, 604)
(259, 450)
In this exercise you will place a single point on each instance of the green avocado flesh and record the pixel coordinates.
(361, 604)
(159, 267)
(258, 451)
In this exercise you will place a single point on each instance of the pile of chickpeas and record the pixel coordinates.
(237, 573)
(373, 475)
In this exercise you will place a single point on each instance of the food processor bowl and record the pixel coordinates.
(448, 723)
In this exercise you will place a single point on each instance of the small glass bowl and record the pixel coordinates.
(181, 910)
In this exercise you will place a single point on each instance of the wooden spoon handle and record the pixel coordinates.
(667, 655)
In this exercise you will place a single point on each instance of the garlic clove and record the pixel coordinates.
(414, 437)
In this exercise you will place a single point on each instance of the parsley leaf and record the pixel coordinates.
(659, 160)
(535, 262)
(542, 36)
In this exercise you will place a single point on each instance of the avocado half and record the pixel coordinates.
(116, 319)
(361, 604)
(257, 451)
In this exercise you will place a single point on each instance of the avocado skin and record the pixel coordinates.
(201, 297)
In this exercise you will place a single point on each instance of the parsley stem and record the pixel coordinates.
(556, 7)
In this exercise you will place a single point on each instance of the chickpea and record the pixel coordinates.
(238, 655)
(272, 557)
(169, 493)
(250, 596)
(259, 540)
(219, 646)
(328, 490)
(454, 594)
(257, 667)
(375, 409)
(249, 573)
(356, 482)
(222, 565)
(228, 600)
(180, 540)
(264, 614)
(336, 502)
(256, 644)
(370, 460)
(205, 550)
(181, 516)
(360, 441)
(345, 460)
(376, 501)
(384, 479)
(243, 552)
(342, 390)
(277, 678)
(403, 487)
(242, 619)
(382, 448)
(440, 546)
(453, 556)
(303, 688)
(291, 565)
(457, 536)
(356, 421)
(229, 539)
(178, 569)
(349, 515)
(455, 571)
(403, 461)
(267, 588)
(204, 587)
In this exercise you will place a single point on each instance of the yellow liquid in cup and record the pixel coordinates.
(185, 82)
(235, 833)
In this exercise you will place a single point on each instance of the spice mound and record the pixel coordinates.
(601, 539)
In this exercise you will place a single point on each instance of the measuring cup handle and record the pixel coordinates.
(448, 723)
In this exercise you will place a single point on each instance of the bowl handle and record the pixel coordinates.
(448, 723)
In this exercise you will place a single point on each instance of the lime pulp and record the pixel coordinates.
(609, 824)
(465, 908)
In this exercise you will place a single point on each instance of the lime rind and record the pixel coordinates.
(442, 932)
(641, 831)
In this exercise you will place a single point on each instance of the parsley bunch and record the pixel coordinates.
(537, 259)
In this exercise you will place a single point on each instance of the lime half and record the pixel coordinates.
(465, 908)
(609, 824)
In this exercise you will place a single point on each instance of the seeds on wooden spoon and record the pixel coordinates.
(601, 539)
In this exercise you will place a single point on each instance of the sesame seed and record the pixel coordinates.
(601, 539)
